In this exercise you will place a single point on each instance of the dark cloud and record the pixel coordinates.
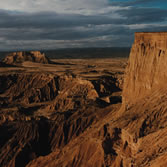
(73, 33)
(52, 20)
(137, 15)
(53, 30)
(135, 2)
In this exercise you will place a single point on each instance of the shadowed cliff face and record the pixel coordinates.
(147, 66)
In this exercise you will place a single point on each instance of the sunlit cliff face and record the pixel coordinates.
(147, 66)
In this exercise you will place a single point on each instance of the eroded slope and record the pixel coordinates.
(136, 134)
(41, 112)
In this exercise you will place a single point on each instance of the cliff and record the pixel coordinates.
(19, 57)
(147, 66)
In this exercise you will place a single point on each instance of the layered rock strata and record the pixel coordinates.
(147, 66)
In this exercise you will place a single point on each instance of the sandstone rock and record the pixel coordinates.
(147, 66)
(106, 85)
(3, 64)
(26, 140)
(74, 93)
(20, 57)
(134, 135)
(68, 93)
(106, 99)
(27, 88)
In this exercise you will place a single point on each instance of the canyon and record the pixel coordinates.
(86, 112)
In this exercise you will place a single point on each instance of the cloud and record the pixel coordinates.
(59, 6)
(50, 24)
(144, 15)
(52, 20)
(137, 2)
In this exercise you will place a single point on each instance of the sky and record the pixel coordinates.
(55, 24)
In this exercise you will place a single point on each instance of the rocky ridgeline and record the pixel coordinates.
(20, 57)
(65, 92)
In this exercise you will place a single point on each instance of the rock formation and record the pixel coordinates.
(27, 88)
(147, 66)
(136, 135)
(19, 57)
(56, 120)
(41, 113)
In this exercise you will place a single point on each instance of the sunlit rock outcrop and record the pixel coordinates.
(20, 57)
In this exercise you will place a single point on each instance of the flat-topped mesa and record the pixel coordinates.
(154, 39)
(147, 67)
(19, 57)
